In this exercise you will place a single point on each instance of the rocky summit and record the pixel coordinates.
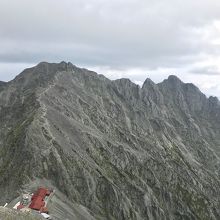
(116, 150)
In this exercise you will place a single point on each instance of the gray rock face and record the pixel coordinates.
(121, 151)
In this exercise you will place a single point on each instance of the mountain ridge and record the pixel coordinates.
(68, 65)
(122, 151)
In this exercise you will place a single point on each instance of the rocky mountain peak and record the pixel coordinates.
(125, 83)
(174, 79)
(41, 74)
(214, 100)
(47, 67)
(148, 82)
(172, 82)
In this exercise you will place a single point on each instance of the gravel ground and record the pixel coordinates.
(10, 214)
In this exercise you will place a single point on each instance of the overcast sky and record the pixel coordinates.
(136, 39)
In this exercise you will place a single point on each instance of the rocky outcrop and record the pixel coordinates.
(121, 151)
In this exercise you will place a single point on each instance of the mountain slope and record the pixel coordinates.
(121, 151)
(9, 214)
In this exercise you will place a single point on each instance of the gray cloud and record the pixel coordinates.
(104, 32)
(206, 70)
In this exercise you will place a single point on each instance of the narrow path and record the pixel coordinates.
(43, 108)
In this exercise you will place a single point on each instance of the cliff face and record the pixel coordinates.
(122, 151)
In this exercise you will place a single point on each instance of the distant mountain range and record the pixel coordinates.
(117, 150)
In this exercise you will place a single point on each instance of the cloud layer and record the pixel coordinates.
(119, 37)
